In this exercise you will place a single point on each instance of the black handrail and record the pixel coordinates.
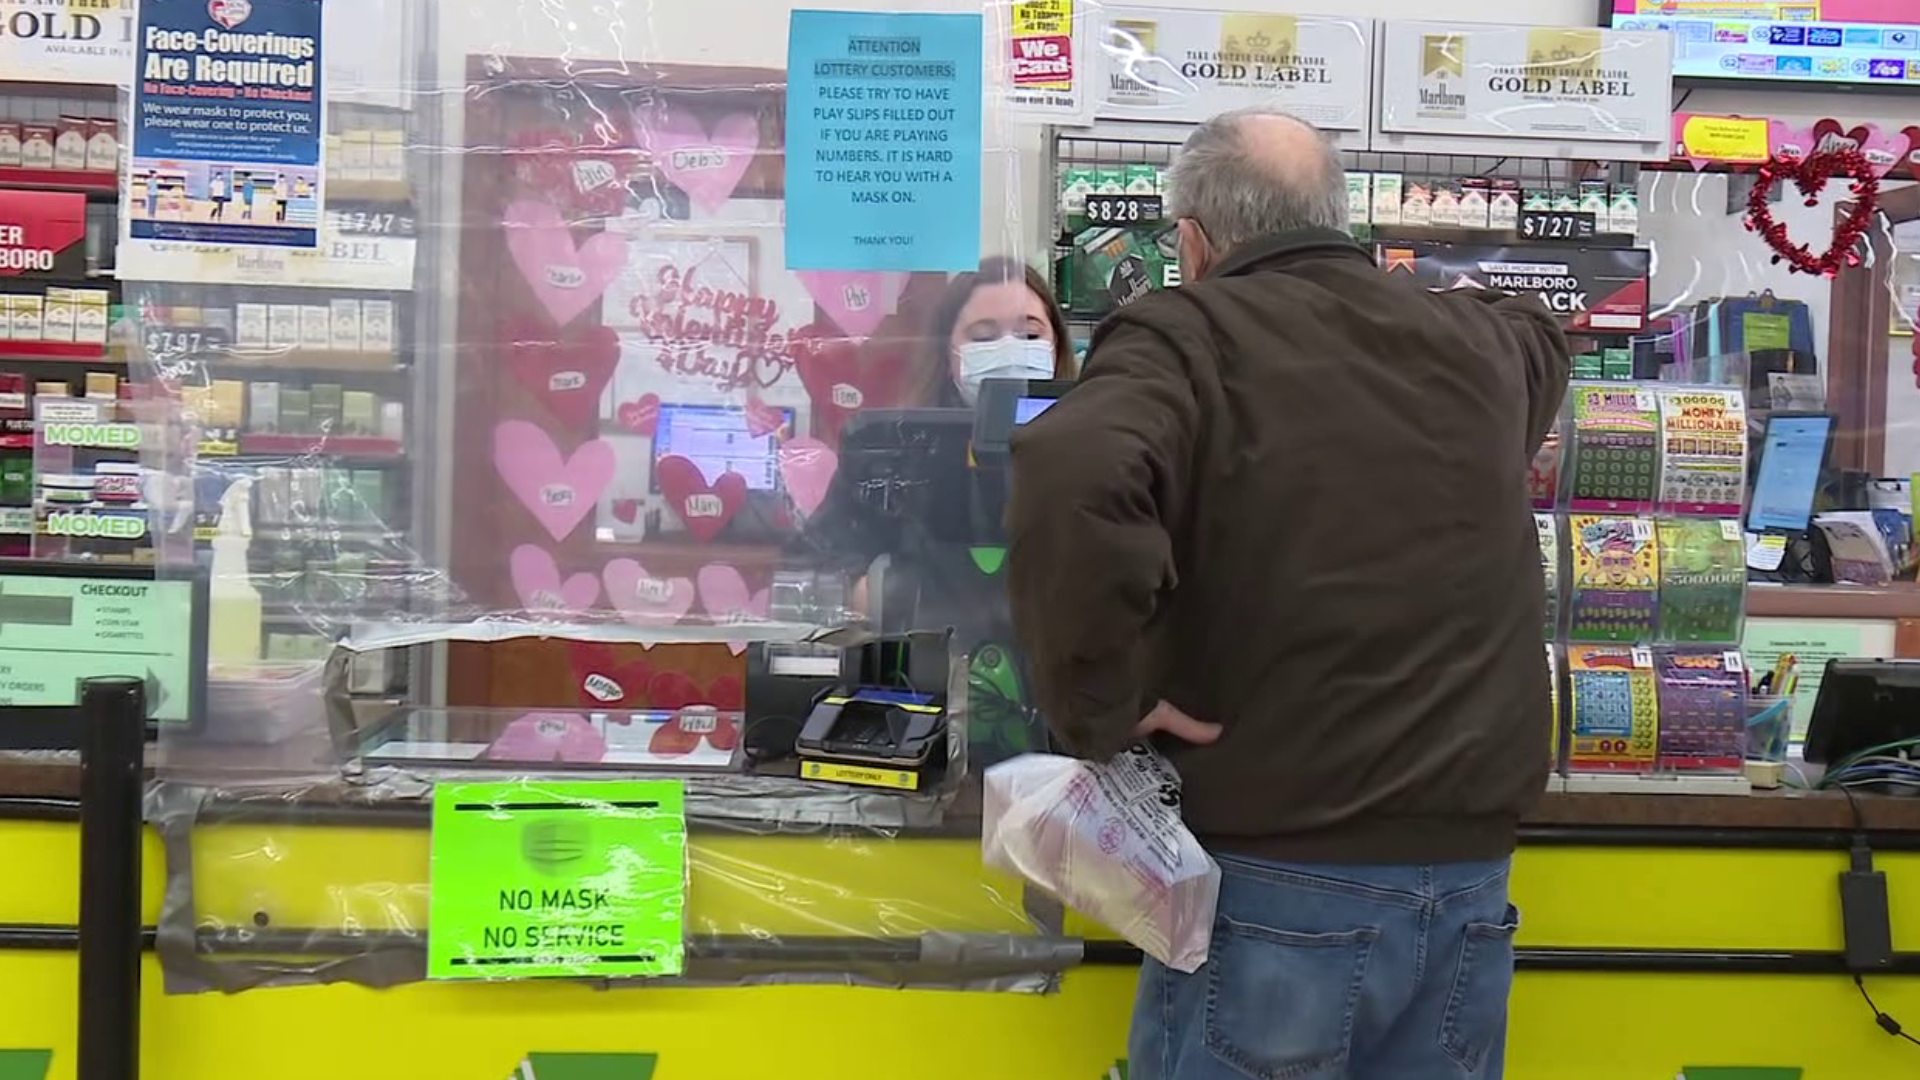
(113, 716)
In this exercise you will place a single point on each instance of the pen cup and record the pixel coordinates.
(1769, 727)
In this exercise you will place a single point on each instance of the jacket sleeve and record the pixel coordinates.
(1542, 350)
(1097, 480)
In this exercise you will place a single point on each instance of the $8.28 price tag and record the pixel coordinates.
(1124, 209)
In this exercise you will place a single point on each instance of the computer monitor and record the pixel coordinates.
(1863, 704)
(1005, 406)
(1793, 454)
(718, 440)
(63, 622)
(909, 467)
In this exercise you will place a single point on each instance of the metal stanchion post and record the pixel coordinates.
(113, 717)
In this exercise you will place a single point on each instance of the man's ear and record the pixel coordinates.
(1196, 253)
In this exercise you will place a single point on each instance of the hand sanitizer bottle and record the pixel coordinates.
(234, 619)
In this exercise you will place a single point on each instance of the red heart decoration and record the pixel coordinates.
(1810, 175)
(706, 508)
(842, 376)
(567, 374)
(682, 735)
(625, 510)
(676, 691)
(641, 417)
(604, 681)
(586, 179)
(764, 419)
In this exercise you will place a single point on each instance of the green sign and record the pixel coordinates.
(538, 1066)
(57, 631)
(25, 1064)
(1812, 642)
(558, 878)
(1766, 331)
(1737, 1072)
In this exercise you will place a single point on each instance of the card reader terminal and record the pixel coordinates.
(874, 737)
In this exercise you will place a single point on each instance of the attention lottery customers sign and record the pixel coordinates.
(228, 122)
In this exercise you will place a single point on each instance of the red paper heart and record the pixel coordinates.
(603, 681)
(642, 416)
(625, 510)
(567, 374)
(586, 179)
(842, 376)
(1810, 175)
(673, 690)
(705, 508)
(764, 419)
(699, 714)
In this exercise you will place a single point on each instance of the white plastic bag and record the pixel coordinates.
(1107, 840)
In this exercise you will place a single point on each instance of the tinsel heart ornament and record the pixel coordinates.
(1810, 175)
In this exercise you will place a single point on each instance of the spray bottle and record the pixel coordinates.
(234, 619)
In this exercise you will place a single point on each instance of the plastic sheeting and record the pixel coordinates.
(617, 361)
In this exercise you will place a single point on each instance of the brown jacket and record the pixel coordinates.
(1291, 499)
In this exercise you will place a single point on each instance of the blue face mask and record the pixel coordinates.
(1002, 358)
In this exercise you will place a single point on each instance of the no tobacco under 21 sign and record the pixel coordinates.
(563, 878)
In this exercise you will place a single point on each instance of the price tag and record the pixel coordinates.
(1557, 225)
(1642, 530)
(1730, 530)
(1644, 401)
(170, 344)
(1642, 656)
(1124, 209)
(365, 221)
(1735, 665)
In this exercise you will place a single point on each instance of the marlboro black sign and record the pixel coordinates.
(1595, 290)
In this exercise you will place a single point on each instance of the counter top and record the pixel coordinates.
(1901, 600)
(57, 777)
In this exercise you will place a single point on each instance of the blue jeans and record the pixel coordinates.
(1338, 973)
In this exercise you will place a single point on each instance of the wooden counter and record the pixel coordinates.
(1900, 600)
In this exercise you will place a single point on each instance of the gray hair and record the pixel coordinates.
(1236, 192)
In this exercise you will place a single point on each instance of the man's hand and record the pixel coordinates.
(1166, 718)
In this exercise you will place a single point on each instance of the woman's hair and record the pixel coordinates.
(935, 383)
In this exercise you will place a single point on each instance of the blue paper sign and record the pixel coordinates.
(229, 118)
(883, 141)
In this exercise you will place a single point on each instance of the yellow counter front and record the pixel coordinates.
(1593, 914)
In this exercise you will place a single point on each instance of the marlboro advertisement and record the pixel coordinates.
(1595, 290)
(1530, 82)
(43, 234)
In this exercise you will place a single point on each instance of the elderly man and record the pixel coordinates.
(1281, 526)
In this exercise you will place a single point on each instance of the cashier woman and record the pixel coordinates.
(1000, 322)
(997, 323)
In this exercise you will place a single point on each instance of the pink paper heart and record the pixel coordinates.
(856, 300)
(549, 736)
(724, 593)
(558, 492)
(565, 278)
(807, 466)
(1790, 141)
(764, 419)
(641, 598)
(706, 167)
(536, 577)
(1883, 149)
